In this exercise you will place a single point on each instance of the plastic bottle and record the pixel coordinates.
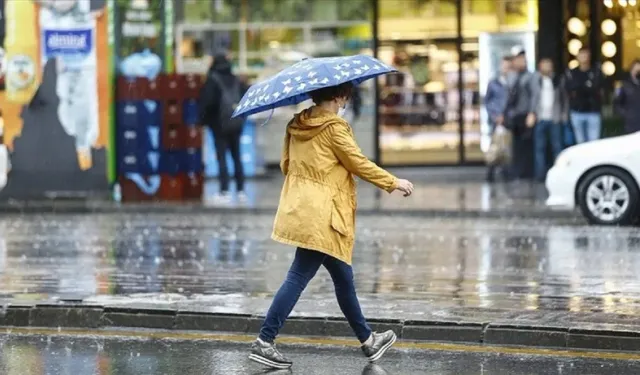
(21, 49)
(117, 192)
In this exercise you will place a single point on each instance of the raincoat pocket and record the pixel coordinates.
(341, 218)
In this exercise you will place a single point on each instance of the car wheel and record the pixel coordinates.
(609, 196)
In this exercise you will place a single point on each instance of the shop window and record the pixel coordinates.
(278, 10)
(202, 11)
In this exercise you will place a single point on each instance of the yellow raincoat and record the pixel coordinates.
(318, 201)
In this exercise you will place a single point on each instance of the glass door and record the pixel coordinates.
(418, 108)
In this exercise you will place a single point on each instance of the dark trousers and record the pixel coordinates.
(304, 268)
(544, 133)
(231, 143)
(522, 157)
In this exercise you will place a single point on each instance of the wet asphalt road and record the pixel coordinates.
(39, 355)
(406, 265)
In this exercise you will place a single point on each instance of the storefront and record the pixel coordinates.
(447, 50)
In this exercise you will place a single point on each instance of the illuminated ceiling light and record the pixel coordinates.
(633, 3)
(638, 43)
(608, 68)
(609, 27)
(608, 3)
(573, 64)
(574, 46)
(623, 3)
(609, 49)
(576, 26)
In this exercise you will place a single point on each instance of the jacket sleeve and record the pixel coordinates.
(620, 101)
(284, 159)
(350, 155)
(533, 88)
(489, 101)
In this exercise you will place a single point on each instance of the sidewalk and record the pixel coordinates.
(499, 282)
(448, 192)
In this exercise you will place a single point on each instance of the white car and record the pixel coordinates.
(601, 177)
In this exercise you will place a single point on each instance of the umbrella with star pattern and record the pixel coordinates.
(293, 84)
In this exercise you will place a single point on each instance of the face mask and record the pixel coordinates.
(342, 111)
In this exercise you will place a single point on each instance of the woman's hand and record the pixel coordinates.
(405, 186)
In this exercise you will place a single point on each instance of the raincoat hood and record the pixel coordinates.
(311, 122)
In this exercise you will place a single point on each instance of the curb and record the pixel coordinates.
(95, 317)
(53, 208)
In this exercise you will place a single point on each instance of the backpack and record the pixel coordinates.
(229, 99)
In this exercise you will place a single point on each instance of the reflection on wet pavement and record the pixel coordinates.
(420, 268)
(36, 355)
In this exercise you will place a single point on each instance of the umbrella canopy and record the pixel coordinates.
(293, 85)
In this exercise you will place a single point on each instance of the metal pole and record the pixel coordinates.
(376, 91)
(461, 104)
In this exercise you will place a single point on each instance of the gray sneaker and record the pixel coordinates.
(381, 343)
(267, 354)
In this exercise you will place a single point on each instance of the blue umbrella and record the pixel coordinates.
(293, 84)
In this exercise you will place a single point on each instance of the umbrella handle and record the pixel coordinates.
(269, 118)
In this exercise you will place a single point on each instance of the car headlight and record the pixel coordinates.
(563, 160)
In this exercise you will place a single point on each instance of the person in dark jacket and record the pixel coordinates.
(584, 85)
(495, 101)
(223, 89)
(520, 116)
(627, 101)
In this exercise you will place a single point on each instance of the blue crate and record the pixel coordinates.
(172, 162)
(193, 161)
(151, 113)
(127, 114)
(190, 112)
(138, 140)
(139, 162)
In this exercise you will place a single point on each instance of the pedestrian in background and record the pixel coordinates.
(316, 214)
(627, 100)
(495, 101)
(551, 111)
(219, 96)
(520, 116)
(584, 85)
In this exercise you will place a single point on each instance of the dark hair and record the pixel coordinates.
(507, 59)
(327, 94)
(585, 50)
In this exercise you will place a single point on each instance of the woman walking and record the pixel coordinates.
(317, 215)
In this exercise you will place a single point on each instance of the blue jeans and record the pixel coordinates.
(545, 132)
(586, 126)
(304, 268)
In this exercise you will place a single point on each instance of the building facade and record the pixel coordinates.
(447, 50)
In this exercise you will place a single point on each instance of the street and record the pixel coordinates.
(88, 355)
(418, 268)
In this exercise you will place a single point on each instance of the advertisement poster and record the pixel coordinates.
(140, 37)
(56, 98)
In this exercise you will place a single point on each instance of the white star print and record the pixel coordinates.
(313, 81)
(301, 86)
(251, 93)
(357, 71)
(325, 80)
(337, 76)
(365, 67)
(276, 95)
(337, 67)
(345, 73)
(287, 82)
(356, 62)
(298, 78)
(287, 90)
(311, 74)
